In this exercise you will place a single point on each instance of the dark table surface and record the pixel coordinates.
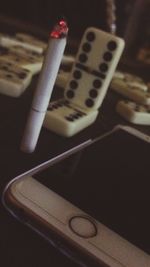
(20, 246)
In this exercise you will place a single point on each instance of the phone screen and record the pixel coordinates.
(109, 180)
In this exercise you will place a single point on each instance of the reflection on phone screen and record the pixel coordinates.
(109, 180)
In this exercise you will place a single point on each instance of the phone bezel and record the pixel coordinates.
(38, 224)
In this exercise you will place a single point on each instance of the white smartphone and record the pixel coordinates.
(93, 205)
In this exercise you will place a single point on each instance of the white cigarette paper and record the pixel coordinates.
(51, 64)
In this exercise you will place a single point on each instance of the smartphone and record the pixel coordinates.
(93, 203)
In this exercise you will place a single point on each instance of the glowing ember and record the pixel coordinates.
(60, 30)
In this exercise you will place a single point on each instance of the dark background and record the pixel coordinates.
(132, 17)
(20, 246)
(80, 14)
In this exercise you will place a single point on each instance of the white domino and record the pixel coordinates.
(133, 93)
(118, 74)
(129, 80)
(62, 78)
(13, 79)
(68, 60)
(94, 66)
(24, 58)
(67, 119)
(24, 51)
(133, 112)
(28, 38)
(92, 71)
(7, 41)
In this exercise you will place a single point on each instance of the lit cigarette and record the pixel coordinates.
(51, 64)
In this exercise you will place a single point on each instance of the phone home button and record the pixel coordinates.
(83, 226)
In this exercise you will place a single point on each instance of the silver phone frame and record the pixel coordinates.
(57, 158)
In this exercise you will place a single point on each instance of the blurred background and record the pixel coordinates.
(80, 14)
(132, 18)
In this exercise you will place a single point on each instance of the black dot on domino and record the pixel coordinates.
(112, 45)
(4, 68)
(86, 47)
(79, 114)
(73, 84)
(89, 103)
(82, 58)
(56, 106)
(77, 74)
(97, 83)
(103, 67)
(22, 75)
(90, 36)
(70, 94)
(50, 108)
(107, 56)
(9, 76)
(93, 93)
(75, 116)
(68, 118)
